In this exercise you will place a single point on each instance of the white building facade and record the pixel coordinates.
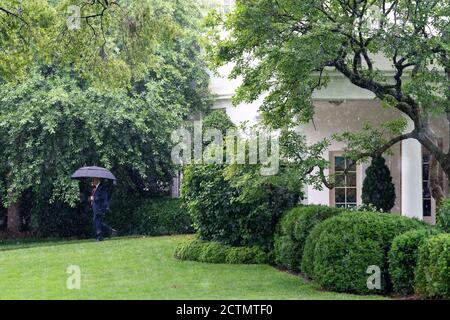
(344, 107)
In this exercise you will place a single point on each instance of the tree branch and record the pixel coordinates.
(376, 153)
(12, 14)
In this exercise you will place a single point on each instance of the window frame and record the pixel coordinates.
(332, 159)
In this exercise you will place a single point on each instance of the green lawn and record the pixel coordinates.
(139, 268)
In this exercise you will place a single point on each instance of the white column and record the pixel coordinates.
(412, 201)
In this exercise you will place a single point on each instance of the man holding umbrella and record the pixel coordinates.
(100, 206)
(99, 198)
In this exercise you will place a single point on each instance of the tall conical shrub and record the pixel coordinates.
(378, 188)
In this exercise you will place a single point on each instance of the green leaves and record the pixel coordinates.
(370, 139)
(285, 50)
(50, 126)
(112, 44)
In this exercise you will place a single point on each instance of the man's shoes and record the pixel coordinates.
(98, 240)
(113, 233)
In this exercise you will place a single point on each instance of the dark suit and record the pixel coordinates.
(100, 207)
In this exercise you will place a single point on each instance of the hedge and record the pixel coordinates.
(403, 259)
(433, 267)
(350, 243)
(215, 252)
(307, 265)
(293, 230)
(443, 215)
(236, 205)
(163, 216)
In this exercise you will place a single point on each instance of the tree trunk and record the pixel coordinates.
(14, 219)
(436, 181)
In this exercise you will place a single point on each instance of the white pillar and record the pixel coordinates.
(412, 198)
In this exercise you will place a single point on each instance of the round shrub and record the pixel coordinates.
(433, 267)
(352, 242)
(293, 230)
(443, 215)
(163, 216)
(215, 252)
(307, 265)
(403, 259)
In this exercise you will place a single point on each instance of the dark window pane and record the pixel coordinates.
(427, 208)
(340, 195)
(351, 165)
(351, 195)
(340, 205)
(426, 157)
(426, 190)
(351, 179)
(339, 164)
(425, 171)
(340, 180)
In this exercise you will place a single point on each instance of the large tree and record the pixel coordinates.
(77, 100)
(287, 48)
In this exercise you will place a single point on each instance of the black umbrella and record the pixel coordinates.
(93, 172)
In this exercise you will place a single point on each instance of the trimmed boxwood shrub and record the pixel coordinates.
(307, 265)
(351, 242)
(403, 259)
(215, 252)
(293, 230)
(163, 216)
(433, 267)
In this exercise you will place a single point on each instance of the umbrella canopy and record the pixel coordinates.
(93, 172)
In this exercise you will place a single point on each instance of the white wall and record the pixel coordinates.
(334, 117)
(224, 89)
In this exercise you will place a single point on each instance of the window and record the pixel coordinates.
(426, 188)
(345, 193)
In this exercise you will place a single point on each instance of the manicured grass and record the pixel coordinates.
(139, 268)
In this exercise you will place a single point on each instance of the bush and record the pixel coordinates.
(443, 215)
(214, 252)
(292, 231)
(307, 265)
(378, 189)
(433, 267)
(246, 255)
(163, 216)
(235, 205)
(189, 250)
(403, 259)
(351, 242)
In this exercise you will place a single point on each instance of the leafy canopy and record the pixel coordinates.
(288, 49)
(111, 43)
